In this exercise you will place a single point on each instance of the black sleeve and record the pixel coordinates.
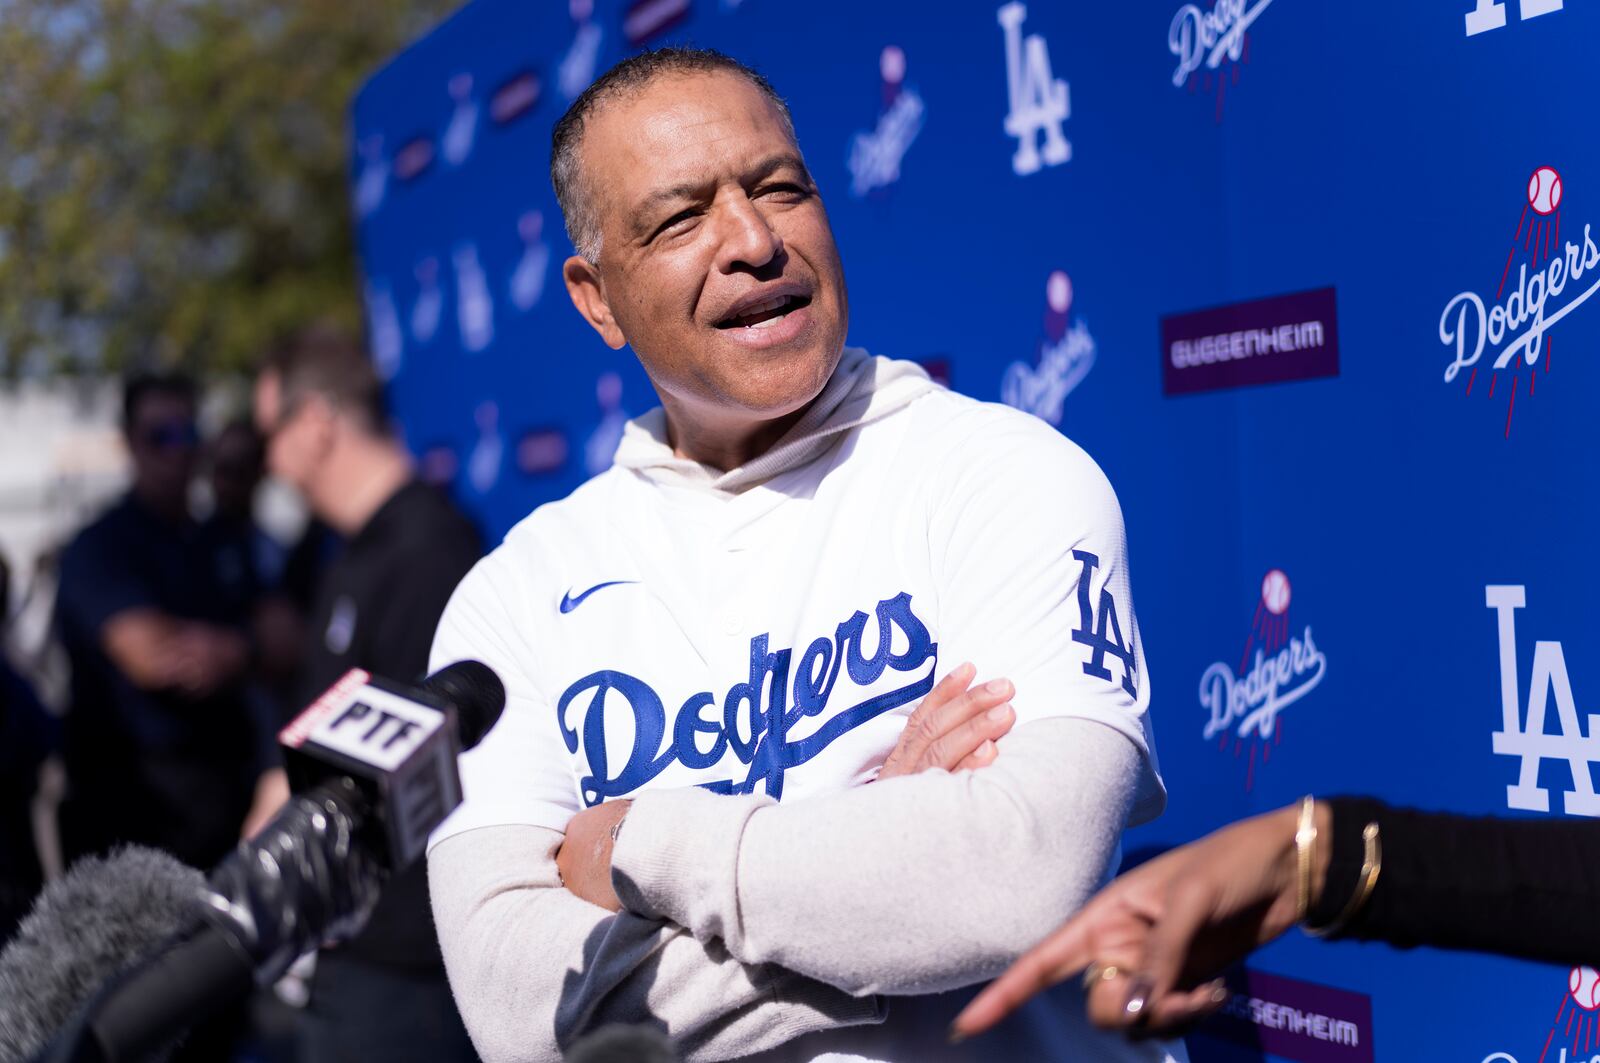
(402, 635)
(1522, 888)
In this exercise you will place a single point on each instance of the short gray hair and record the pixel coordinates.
(627, 77)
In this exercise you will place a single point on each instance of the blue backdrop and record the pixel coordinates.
(1022, 195)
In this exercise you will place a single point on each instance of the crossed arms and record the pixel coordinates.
(748, 923)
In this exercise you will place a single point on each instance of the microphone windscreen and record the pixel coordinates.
(475, 691)
(99, 918)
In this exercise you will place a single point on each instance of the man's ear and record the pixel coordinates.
(587, 294)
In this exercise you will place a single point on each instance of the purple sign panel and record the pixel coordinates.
(1264, 341)
(1296, 1020)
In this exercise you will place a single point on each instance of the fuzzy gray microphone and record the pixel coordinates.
(101, 917)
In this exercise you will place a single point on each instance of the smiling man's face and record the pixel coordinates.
(717, 264)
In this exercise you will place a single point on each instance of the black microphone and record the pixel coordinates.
(380, 763)
(85, 927)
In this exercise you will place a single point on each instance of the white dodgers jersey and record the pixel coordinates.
(656, 632)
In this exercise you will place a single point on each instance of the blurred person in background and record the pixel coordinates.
(319, 404)
(161, 746)
(252, 568)
(250, 563)
(28, 735)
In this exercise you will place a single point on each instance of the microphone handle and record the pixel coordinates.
(305, 880)
(148, 1007)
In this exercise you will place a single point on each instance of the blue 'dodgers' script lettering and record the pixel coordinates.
(762, 704)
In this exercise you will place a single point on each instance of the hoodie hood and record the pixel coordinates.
(863, 388)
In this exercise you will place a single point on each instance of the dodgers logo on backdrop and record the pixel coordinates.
(462, 131)
(875, 156)
(429, 307)
(488, 453)
(1515, 329)
(1575, 1028)
(1065, 356)
(383, 326)
(1203, 40)
(583, 54)
(602, 444)
(755, 721)
(1278, 667)
(1524, 735)
(1039, 101)
(527, 279)
(373, 182)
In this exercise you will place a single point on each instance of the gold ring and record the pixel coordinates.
(1099, 972)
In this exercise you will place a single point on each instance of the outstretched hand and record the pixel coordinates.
(1148, 942)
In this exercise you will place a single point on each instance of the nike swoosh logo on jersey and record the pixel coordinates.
(569, 603)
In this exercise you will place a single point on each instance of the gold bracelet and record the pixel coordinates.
(1371, 866)
(1305, 840)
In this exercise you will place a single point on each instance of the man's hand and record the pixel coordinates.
(954, 728)
(272, 793)
(584, 858)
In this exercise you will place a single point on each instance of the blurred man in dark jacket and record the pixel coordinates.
(320, 406)
(161, 746)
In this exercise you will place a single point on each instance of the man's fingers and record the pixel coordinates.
(1061, 954)
(918, 733)
(981, 757)
(945, 718)
(954, 750)
(948, 688)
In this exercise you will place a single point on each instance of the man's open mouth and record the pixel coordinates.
(766, 313)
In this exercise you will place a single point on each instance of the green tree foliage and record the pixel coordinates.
(173, 175)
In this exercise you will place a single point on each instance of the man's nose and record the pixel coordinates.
(747, 239)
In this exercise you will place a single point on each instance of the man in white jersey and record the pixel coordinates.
(711, 650)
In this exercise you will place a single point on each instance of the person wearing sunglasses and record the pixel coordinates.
(161, 745)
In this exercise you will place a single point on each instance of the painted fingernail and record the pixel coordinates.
(999, 712)
(1138, 996)
(997, 686)
(956, 1036)
(1219, 992)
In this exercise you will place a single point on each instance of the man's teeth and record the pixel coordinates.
(770, 304)
(761, 310)
(767, 322)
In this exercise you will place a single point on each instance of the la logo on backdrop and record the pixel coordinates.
(1278, 667)
(1039, 101)
(876, 154)
(1544, 278)
(1204, 40)
(1523, 734)
(1065, 355)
